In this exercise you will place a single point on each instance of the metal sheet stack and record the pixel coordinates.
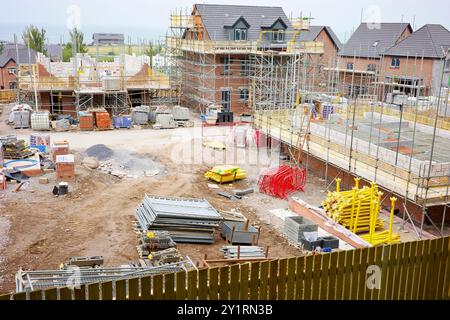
(187, 220)
(235, 252)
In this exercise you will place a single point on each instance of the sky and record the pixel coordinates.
(149, 19)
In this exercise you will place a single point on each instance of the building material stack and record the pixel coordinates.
(40, 121)
(65, 167)
(244, 253)
(154, 240)
(186, 220)
(103, 120)
(226, 174)
(240, 233)
(59, 148)
(86, 121)
(354, 209)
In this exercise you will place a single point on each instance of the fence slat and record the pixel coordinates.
(20, 296)
(354, 274)
(348, 267)
(264, 280)
(133, 289)
(300, 278)
(362, 272)
(324, 277)
(410, 273)
(366, 295)
(431, 278)
(384, 272)
(93, 291)
(213, 293)
(290, 288)
(331, 294)
(203, 284)
(80, 293)
(121, 290)
(282, 270)
(234, 279)
(5, 297)
(243, 282)
(404, 268)
(107, 291)
(376, 292)
(169, 286)
(192, 289)
(396, 270)
(51, 294)
(340, 275)
(146, 288)
(316, 275)
(65, 294)
(307, 292)
(254, 280)
(417, 270)
(423, 269)
(273, 279)
(224, 283)
(442, 285)
(158, 287)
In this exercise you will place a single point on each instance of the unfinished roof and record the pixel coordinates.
(314, 31)
(217, 17)
(372, 40)
(10, 53)
(430, 41)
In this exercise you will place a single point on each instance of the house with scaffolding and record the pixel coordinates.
(218, 48)
(87, 83)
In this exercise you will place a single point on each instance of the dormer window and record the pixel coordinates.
(276, 32)
(240, 34)
(238, 31)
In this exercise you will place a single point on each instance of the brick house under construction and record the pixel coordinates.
(218, 47)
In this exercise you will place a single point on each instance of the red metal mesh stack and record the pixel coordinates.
(283, 181)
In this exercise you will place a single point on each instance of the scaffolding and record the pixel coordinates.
(365, 124)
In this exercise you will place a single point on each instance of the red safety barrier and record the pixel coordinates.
(283, 181)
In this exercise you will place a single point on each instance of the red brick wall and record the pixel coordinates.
(5, 77)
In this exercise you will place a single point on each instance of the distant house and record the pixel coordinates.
(418, 60)
(108, 39)
(9, 61)
(360, 57)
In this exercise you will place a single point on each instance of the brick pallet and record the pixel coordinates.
(103, 120)
(65, 166)
(86, 123)
(59, 148)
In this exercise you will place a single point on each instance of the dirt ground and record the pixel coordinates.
(41, 231)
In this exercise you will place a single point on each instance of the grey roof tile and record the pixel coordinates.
(384, 35)
(215, 17)
(314, 32)
(430, 41)
(24, 56)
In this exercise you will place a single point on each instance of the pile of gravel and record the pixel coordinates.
(100, 151)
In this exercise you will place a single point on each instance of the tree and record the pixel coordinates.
(77, 38)
(35, 39)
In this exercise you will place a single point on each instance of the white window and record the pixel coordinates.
(13, 85)
(372, 67)
(447, 65)
(240, 34)
(11, 70)
(350, 66)
(395, 63)
(278, 36)
(226, 64)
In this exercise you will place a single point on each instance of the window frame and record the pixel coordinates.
(395, 65)
(350, 64)
(226, 63)
(226, 104)
(14, 87)
(372, 67)
(13, 72)
(242, 32)
(244, 94)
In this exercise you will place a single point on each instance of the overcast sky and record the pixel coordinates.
(149, 18)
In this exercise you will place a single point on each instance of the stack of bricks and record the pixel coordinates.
(65, 167)
(59, 148)
(86, 122)
(103, 120)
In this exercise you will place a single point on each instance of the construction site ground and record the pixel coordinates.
(41, 231)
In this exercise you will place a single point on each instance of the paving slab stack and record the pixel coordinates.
(187, 220)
